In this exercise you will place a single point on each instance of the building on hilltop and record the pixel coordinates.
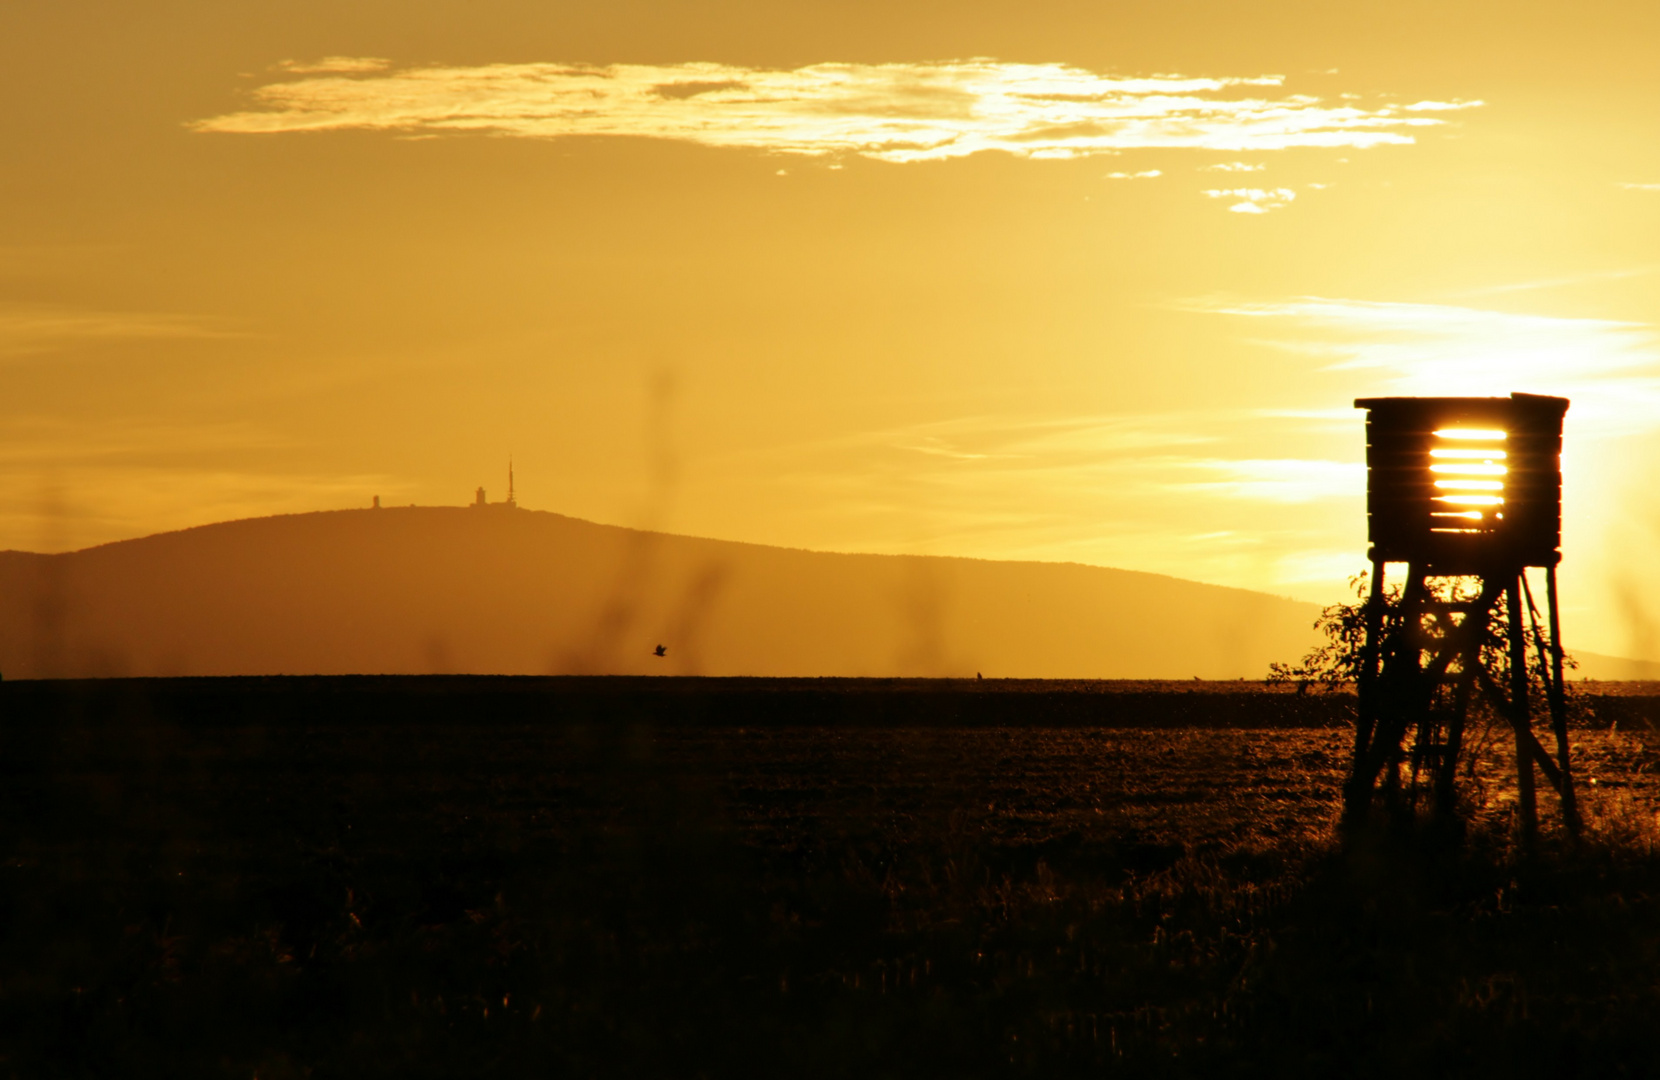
(511, 503)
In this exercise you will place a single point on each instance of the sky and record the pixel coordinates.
(1089, 282)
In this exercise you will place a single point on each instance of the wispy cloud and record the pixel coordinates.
(1610, 368)
(137, 500)
(891, 112)
(1639, 187)
(335, 65)
(1254, 200)
(1188, 493)
(1145, 174)
(1182, 452)
(1232, 166)
(1146, 454)
(1563, 281)
(26, 331)
(154, 473)
(1440, 106)
(1280, 480)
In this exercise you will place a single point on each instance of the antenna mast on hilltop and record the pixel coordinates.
(1467, 492)
(511, 501)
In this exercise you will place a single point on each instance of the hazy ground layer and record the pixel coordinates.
(613, 877)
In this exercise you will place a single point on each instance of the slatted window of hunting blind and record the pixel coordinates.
(1469, 466)
(1463, 484)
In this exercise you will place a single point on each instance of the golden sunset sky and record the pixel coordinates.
(1093, 282)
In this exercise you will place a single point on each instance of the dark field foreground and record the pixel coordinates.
(611, 877)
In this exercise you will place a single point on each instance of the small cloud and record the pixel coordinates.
(335, 65)
(783, 172)
(694, 88)
(1442, 106)
(1317, 187)
(1232, 166)
(1254, 200)
(1283, 480)
(32, 330)
(1639, 187)
(1146, 174)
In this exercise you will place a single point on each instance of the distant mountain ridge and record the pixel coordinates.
(491, 589)
(499, 590)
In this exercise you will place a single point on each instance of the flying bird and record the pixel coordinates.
(661, 650)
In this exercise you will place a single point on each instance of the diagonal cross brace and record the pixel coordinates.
(1411, 700)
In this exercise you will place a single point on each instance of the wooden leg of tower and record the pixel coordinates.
(1366, 720)
(1559, 707)
(1358, 798)
(1520, 718)
(1394, 698)
(1402, 681)
(1446, 789)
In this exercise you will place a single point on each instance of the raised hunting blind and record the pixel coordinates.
(1467, 492)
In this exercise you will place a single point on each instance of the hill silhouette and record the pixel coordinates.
(498, 590)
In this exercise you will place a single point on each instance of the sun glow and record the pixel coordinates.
(1481, 434)
(1483, 469)
(1463, 476)
(1471, 500)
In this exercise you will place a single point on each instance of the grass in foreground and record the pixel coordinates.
(628, 902)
